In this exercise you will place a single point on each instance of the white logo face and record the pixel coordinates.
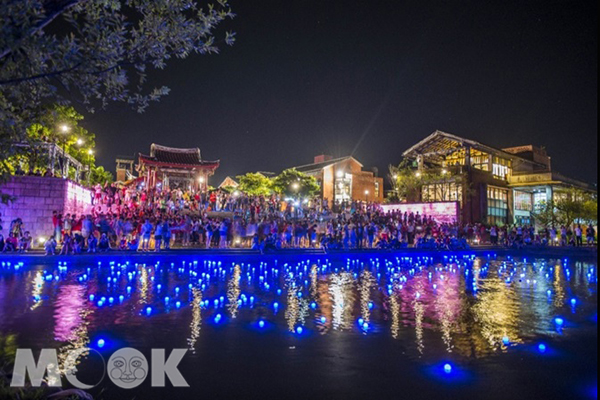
(127, 368)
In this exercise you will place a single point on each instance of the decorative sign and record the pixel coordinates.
(442, 212)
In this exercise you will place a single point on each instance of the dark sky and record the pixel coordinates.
(374, 77)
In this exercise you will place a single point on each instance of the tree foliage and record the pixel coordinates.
(293, 183)
(34, 155)
(100, 176)
(255, 184)
(94, 52)
(408, 181)
(571, 206)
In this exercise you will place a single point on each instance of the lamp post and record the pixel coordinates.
(64, 129)
(89, 177)
(367, 196)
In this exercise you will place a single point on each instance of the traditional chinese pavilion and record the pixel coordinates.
(174, 168)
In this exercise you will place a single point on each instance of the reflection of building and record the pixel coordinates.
(124, 168)
(497, 186)
(173, 168)
(343, 179)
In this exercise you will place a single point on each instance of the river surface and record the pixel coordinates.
(440, 326)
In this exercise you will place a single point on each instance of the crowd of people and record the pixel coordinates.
(129, 219)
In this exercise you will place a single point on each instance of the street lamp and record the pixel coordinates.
(367, 196)
(89, 177)
(64, 128)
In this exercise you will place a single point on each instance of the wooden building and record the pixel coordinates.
(175, 168)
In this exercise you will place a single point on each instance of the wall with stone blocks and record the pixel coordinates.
(37, 198)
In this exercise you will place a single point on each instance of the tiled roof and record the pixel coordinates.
(165, 156)
(320, 166)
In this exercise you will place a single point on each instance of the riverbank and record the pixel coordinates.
(482, 251)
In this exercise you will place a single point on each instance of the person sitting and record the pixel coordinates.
(25, 242)
(11, 243)
(92, 244)
(50, 246)
(67, 247)
(133, 244)
(103, 244)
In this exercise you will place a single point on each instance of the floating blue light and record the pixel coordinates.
(447, 368)
(100, 343)
(299, 330)
(261, 324)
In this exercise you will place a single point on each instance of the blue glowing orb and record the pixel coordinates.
(447, 368)
(100, 343)
(542, 348)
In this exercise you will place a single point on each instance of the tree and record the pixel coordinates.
(572, 205)
(100, 176)
(408, 182)
(76, 140)
(93, 52)
(255, 184)
(293, 183)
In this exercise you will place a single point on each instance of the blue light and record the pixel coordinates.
(299, 330)
(559, 321)
(573, 302)
(218, 318)
(148, 310)
(542, 348)
(506, 340)
(447, 368)
(323, 320)
(261, 324)
(100, 343)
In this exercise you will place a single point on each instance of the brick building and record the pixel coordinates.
(343, 179)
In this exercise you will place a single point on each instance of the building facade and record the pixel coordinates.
(343, 180)
(495, 186)
(175, 168)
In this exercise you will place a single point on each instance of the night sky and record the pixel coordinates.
(371, 78)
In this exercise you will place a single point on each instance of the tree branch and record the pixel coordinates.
(54, 9)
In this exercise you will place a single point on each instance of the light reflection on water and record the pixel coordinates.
(471, 307)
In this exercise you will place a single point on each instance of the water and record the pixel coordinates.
(453, 325)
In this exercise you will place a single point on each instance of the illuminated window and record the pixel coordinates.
(497, 206)
(480, 160)
(523, 201)
(501, 168)
(442, 191)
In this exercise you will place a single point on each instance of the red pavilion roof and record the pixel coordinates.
(163, 156)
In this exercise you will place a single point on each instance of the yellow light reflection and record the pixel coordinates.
(196, 323)
(233, 291)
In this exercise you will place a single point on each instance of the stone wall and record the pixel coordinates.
(37, 198)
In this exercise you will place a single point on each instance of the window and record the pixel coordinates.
(523, 201)
(501, 168)
(480, 160)
(539, 198)
(442, 191)
(377, 190)
(497, 206)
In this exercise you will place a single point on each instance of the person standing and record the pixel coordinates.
(578, 236)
